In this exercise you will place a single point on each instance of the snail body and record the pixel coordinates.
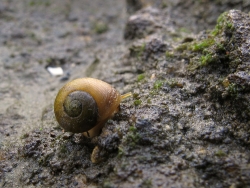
(85, 104)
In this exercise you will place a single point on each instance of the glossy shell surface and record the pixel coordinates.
(106, 98)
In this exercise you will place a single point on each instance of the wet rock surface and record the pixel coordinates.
(187, 123)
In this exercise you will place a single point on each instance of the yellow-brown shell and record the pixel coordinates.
(104, 102)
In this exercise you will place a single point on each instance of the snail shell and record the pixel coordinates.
(85, 104)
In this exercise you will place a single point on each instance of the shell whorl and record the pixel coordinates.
(82, 109)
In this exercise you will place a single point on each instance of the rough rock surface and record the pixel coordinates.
(187, 124)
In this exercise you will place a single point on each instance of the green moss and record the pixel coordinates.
(136, 96)
(100, 27)
(200, 46)
(137, 51)
(220, 47)
(219, 24)
(212, 49)
(140, 77)
(49, 60)
(132, 137)
(153, 92)
(149, 101)
(108, 184)
(164, 5)
(229, 25)
(206, 59)
(137, 102)
(147, 183)
(32, 3)
(39, 3)
(232, 90)
(141, 50)
(26, 135)
(220, 153)
(120, 152)
(158, 84)
(235, 62)
(222, 23)
(203, 47)
(184, 30)
(132, 129)
(182, 47)
(169, 54)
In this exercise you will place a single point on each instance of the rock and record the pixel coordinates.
(141, 24)
(110, 142)
(241, 79)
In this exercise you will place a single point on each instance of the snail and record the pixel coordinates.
(85, 104)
